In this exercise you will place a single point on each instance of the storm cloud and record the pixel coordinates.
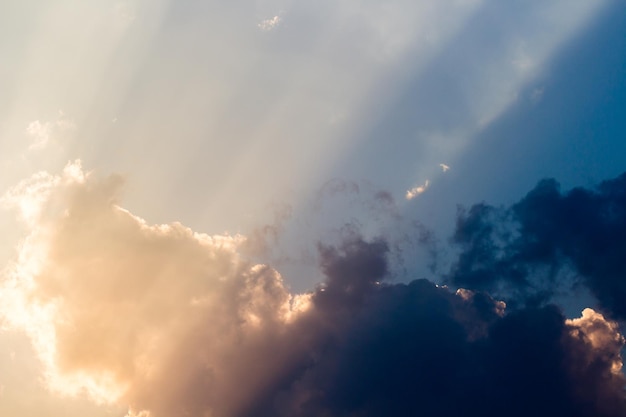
(548, 243)
(176, 323)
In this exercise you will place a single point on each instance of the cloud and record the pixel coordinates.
(174, 322)
(601, 334)
(129, 311)
(548, 242)
(45, 132)
(415, 191)
(270, 24)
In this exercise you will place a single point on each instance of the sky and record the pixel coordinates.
(297, 208)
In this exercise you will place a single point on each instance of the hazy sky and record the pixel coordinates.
(169, 166)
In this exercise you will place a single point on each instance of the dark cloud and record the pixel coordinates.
(418, 349)
(549, 240)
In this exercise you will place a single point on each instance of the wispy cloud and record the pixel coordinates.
(270, 24)
(43, 133)
(415, 191)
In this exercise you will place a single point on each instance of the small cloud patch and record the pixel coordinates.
(270, 24)
(43, 133)
(415, 191)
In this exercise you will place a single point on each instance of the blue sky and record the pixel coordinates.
(289, 124)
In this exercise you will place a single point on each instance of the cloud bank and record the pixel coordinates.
(177, 323)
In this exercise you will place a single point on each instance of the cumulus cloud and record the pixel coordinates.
(532, 245)
(601, 334)
(177, 323)
(131, 311)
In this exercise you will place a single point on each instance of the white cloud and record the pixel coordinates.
(270, 24)
(43, 133)
(415, 191)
